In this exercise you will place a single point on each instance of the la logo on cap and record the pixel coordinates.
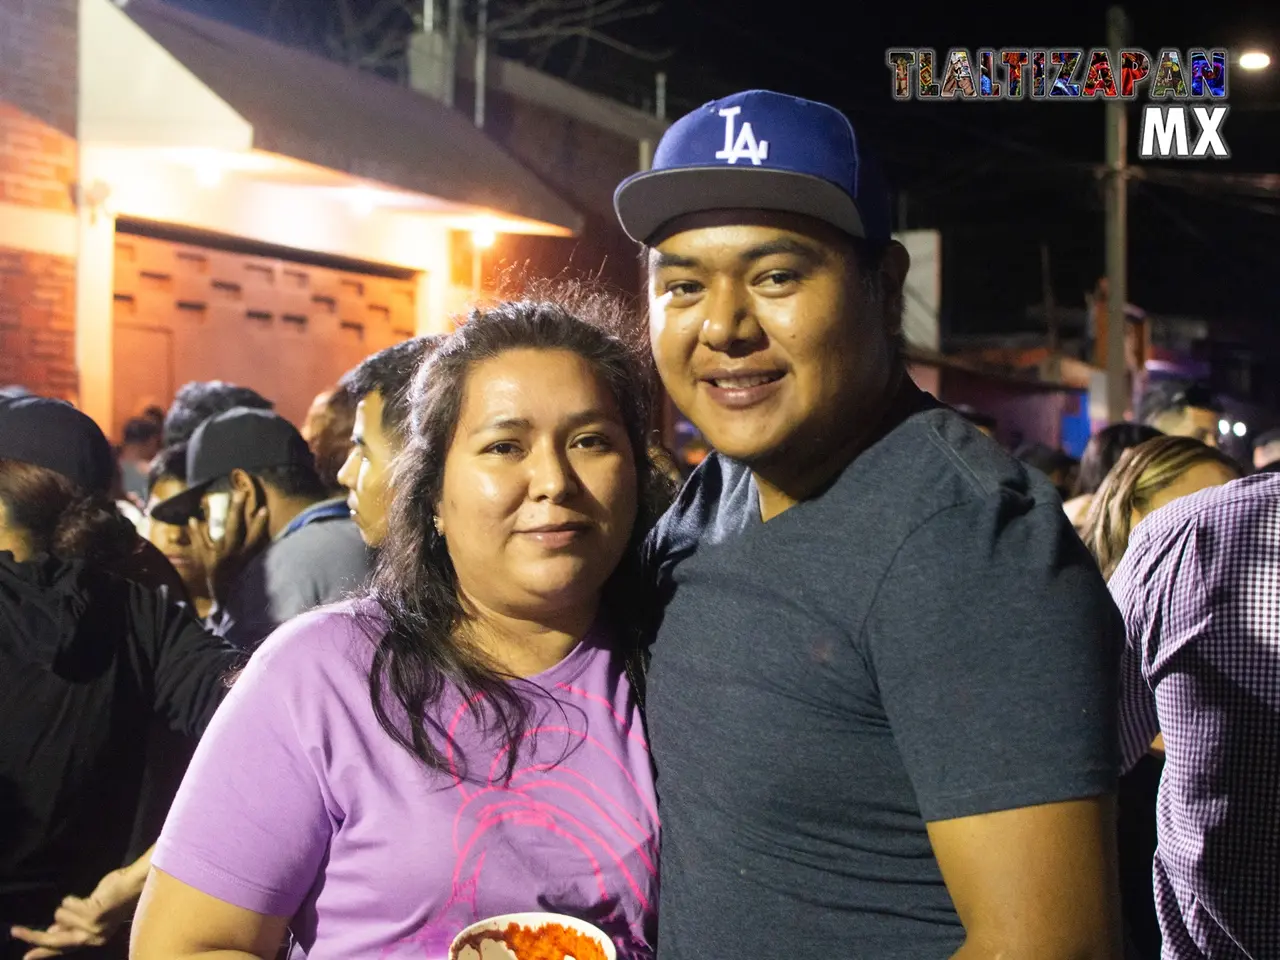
(745, 146)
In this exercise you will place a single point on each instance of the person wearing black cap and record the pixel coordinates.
(89, 660)
(882, 696)
(300, 551)
(197, 401)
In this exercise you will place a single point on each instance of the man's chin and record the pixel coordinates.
(751, 455)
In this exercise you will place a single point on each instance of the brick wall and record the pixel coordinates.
(38, 77)
(37, 322)
(37, 162)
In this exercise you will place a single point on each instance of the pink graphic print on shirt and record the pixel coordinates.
(567, 827)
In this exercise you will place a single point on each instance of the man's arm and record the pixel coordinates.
(996, 648)
(1037, 883)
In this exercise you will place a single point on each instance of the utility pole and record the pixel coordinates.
(454, 28)
(482, 59)
(1117, 232)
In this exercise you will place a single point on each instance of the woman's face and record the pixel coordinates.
(173, 541)
(539, 494)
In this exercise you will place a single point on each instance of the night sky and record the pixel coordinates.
(998, 179)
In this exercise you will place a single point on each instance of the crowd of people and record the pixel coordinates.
(866, 685)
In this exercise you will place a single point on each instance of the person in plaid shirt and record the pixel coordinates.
(1200, 592)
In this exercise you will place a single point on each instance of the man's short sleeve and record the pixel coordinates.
(996, 645)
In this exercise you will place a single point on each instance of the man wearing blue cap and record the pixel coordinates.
(883, 690)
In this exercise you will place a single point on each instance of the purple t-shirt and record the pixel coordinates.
(299, 804)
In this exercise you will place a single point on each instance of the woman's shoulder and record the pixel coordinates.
(337, 641)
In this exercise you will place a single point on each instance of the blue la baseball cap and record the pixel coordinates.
(759, 150)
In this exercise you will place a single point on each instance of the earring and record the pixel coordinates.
(439, 529)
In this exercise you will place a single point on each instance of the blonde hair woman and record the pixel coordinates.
(1145, 478)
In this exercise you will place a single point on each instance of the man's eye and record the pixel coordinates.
(683, 288)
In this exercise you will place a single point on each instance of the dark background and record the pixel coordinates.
(998, 178)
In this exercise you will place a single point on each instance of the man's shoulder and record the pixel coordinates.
(936, 465)
(1239, 518)
(938, 451)
(1248, 503)
(328, 542)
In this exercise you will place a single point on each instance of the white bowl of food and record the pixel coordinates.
(532, 936)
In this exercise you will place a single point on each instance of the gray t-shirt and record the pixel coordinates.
(926, 639)
(322, 562)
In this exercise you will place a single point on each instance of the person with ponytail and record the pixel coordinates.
(90, 659)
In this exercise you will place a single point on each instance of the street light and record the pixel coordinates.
(208, 175)
(482, 238)
(1254, 60)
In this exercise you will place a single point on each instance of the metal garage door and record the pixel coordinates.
(287, 329)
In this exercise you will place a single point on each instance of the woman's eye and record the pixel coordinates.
(592, 442)
(503, 448)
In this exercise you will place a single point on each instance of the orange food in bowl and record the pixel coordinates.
(550, 941)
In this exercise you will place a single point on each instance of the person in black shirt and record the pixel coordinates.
(89, 660)
(882, 697)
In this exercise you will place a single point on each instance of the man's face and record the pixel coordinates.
(1195, 422)
(317, 416)
(367, 472)
(766, 333)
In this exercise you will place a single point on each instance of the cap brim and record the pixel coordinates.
(178, 510)
(645, 202)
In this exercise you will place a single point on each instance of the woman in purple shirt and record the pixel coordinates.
(468, 741)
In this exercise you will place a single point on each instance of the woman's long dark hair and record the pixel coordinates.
(422, 648)
(62, 519)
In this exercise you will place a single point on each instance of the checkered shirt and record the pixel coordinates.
(1199, 588)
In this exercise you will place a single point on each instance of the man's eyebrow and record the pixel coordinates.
(502, 423)
(664, 260)
(783, 245)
